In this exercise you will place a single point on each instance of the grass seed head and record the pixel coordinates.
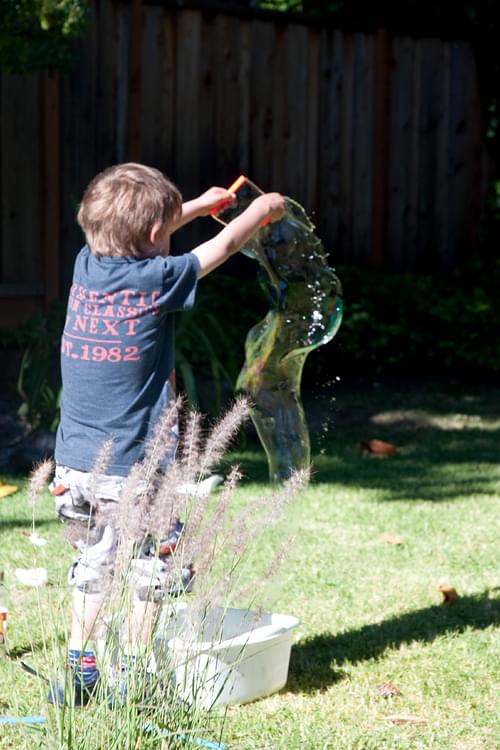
(38, 480)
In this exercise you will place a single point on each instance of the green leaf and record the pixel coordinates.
(188, 381)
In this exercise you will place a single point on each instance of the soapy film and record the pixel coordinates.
(305, 301)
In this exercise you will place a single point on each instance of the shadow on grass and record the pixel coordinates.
(442, 430)
(317, 662)
(29, 649)
(26, 523)
(430, 464)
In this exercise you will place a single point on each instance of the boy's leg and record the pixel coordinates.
(85, 616)
(140, 625)
(86, 611)
(81, 655)
(152, 579)
(130, 681)
(89, 577)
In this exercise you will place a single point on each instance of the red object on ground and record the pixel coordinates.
(377, 448)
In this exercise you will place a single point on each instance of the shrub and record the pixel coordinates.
(419, 323)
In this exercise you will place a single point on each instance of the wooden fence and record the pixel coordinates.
(378, 136)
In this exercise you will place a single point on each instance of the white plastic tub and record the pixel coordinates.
(226, 656)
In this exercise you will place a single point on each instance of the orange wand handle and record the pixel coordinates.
(232, 189)
(237, 184)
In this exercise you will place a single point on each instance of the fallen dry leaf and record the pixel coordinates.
(405, 719)
(377, 448)
(388, 690)
(7, 489)
(392, 539)
(449, 594)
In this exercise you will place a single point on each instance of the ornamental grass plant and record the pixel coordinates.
(150, 706)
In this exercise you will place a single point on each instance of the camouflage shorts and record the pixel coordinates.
(76, 493)
(76, 496)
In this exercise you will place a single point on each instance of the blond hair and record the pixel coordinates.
(122, 204)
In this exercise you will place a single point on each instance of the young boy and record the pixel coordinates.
(117, 354)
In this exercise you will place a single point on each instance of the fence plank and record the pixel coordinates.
(443, 154)
(381, 152)
(430, 117)
(187, 102)
(135, 78)
(362, 147)
(150, 112)
(49, 184)
(284, 113)
(403, 134)
(460, 154)
(346, 148)
(20, 163)
(476, 156)
(297, 102)
(106, 86)
(311, 145)
(78, 146)
(225, 134)
(244, 88)
(168, 52)
(121, 44)
(262, 97)
(188, 111)
(158, 118)
(329, 137)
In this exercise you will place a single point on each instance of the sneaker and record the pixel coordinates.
(83, 514)
(168, 545)
(80, 683)
(202, 488)
(62, 693)
(181, 581)
(155, 579)
(128, 682)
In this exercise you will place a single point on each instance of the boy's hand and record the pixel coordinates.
(211, 201)
(272, 205)
(214, 198)
(264, 209)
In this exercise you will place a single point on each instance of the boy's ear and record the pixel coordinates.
(153, 235)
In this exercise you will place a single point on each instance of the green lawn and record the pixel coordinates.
(370, 611)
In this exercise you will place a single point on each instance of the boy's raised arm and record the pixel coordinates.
(268, 207)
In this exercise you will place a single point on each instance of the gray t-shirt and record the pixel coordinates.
(117, 352)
